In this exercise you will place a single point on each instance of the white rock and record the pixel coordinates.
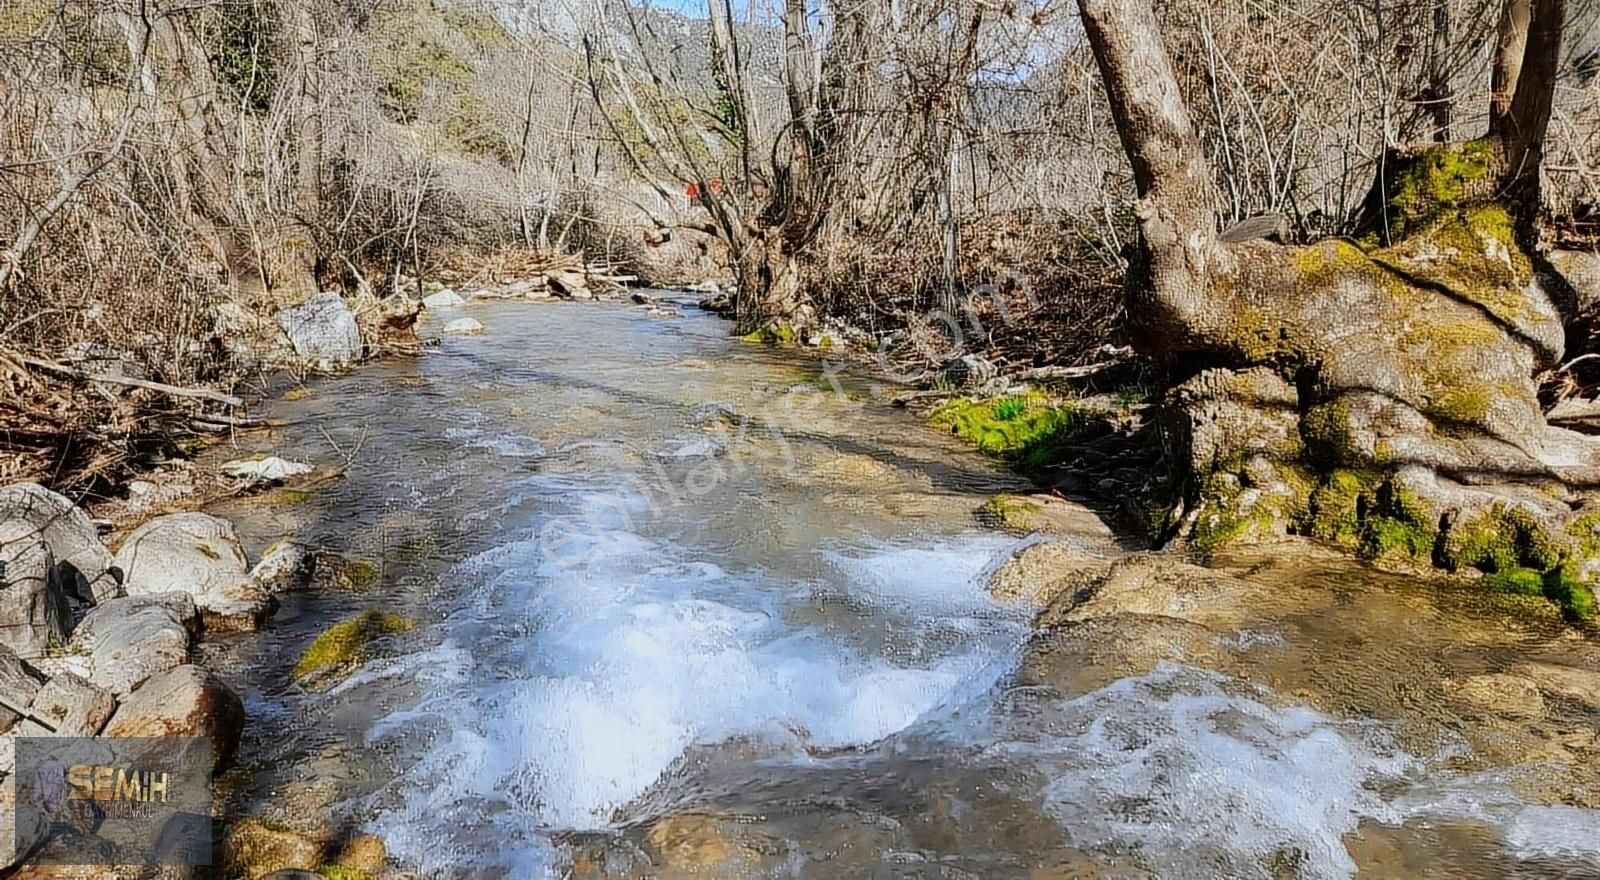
(128, 640)
(200, 555)
(83, 565)
(34, 614)
(284, 566)
(270, 469)
(19, 682)
(70, 704)
(444, 299)
(323, 331)
(463, 327)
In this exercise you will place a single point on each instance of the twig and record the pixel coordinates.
(171, 390)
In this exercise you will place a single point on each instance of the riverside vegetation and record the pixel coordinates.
(1282, 319)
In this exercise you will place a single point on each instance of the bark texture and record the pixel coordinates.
(1377, 391)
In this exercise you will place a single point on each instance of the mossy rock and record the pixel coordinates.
(344, 646)
(335, 572)
(258, 846)
(341, 872)
(1031, 431)
(772, 334)
(299, 392)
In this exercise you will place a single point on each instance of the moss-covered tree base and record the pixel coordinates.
(1381, 392)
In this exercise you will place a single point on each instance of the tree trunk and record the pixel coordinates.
(1378, 393)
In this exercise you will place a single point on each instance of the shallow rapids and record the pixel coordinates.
(694, 607)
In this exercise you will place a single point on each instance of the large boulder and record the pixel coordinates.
(443, 299)
(200, 555)
(323, 331)
(83, 565)
(34, 614)
(125, 641)
(185, 701)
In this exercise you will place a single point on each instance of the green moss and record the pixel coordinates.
(1029, 430)
(1565, 587)
(1336, 506)
(772, 334)
(340, 872)
(285, 496)
(1517, 581)
(1437, 180)
(1005, 511)
(1500, 539)
(343, 646)
(339, 573)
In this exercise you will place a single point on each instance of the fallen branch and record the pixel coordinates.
(170, 390)
(906, 397)
(1046, 374)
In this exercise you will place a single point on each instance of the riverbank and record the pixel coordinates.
(621, 596)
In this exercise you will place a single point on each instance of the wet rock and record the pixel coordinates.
(700, 845)
(344, 646)
(256, 847)
(185, 701)
(1157, 584)
(285, 566)
(198, 554)
(717, 303)
(1500, 694)
(1046, 514)
(1083, 656)
(1040, 572)
(462, 327)
(71, 705)
(34, 614)
(968, 371)
(641, 298)
(83, 565)
(363, 852)
(1572, 684)
(125, 641)
(443, 299)
(713, 412)
(323, 332)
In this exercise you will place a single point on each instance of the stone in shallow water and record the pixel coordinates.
(1038, 573)
(463, 327)
(444, 299)
(323, 331)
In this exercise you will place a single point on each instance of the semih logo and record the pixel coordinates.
(88, 782)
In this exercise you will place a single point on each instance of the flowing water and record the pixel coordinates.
(692, 607)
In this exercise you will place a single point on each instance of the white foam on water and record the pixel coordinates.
(1199, 781)
(587, 680)
(497, 441)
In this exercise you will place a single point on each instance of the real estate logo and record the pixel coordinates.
(113, 800)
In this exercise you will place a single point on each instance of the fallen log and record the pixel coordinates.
(162, 387)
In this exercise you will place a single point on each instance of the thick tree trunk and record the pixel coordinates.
(1378, 393)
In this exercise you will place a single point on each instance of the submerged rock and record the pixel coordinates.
(284, 566)
(83, 566)
(256, 847)
(198, 554)
(323, 332)
(344, 646)
(184, 701)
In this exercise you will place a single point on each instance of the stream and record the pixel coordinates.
(692, 607)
